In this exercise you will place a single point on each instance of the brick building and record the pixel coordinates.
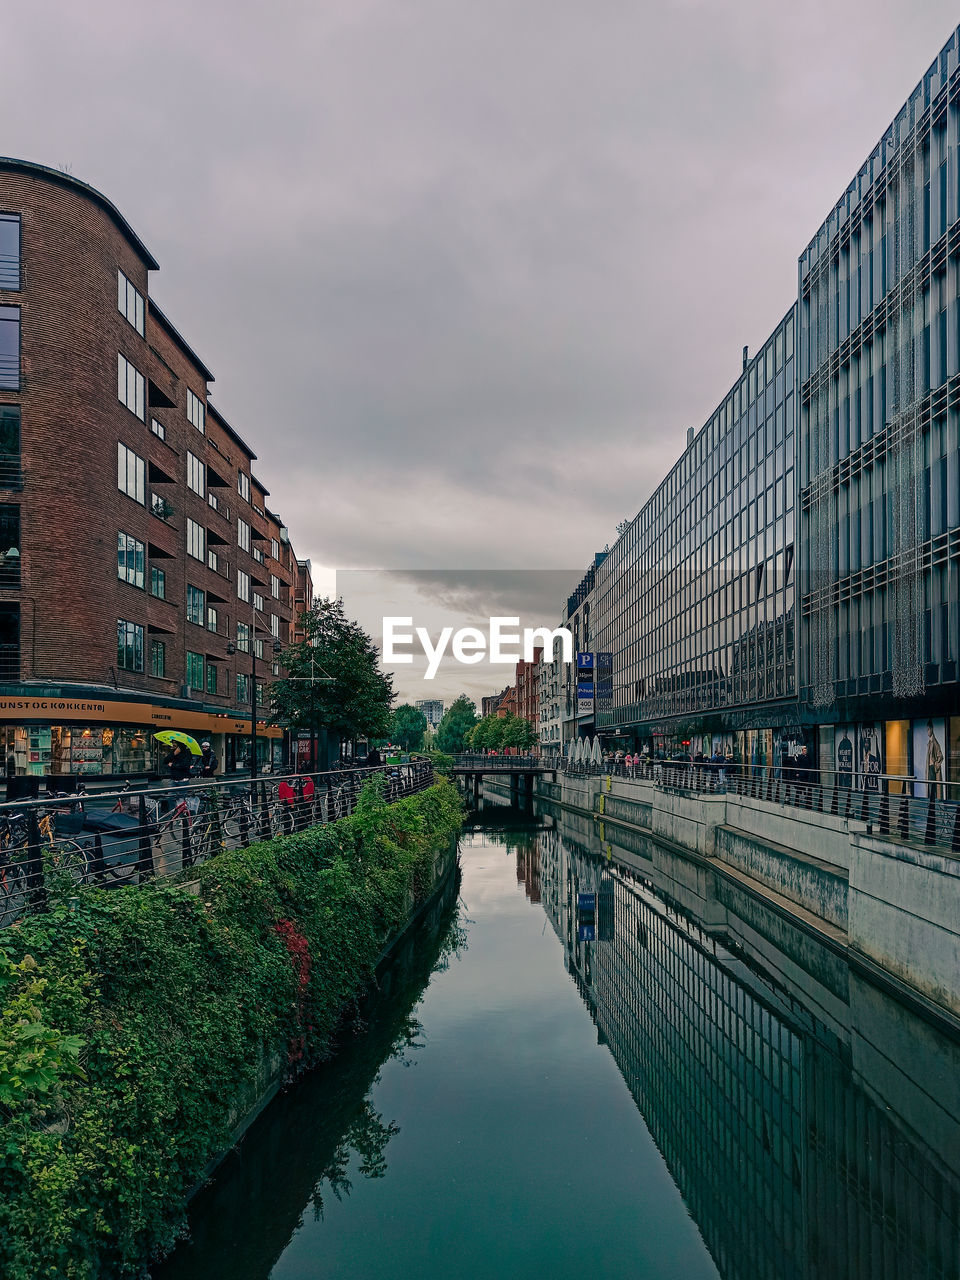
(143, 576)
(527, 685)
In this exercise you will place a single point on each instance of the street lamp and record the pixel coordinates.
(231, 650)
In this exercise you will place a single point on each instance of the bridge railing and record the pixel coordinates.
(476, 762)
(51, 846)
(891, 806)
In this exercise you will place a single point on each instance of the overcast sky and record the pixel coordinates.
(465, 271)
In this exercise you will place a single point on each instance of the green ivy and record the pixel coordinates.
(133, 1024)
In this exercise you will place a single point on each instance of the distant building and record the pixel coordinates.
(432, 708)
(490, 705)
(527, 686)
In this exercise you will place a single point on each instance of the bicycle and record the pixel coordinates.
(204, 839)
(14, 887)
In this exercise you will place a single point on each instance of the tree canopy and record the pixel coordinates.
(333, 677)
(458, 720)
(407, 727)
(498, 732)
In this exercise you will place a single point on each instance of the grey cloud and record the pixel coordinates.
(466, 273)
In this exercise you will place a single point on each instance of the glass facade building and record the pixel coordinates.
(797, 573)
(695, 602)
(879, 396)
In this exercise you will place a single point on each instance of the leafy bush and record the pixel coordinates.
(133, 1027)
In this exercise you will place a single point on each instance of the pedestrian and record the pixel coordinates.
(209, 764)
(180, 763)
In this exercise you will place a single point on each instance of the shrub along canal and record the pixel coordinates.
(603, 1063)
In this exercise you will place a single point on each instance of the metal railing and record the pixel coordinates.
(477, 763)
(11, 472)
(51, 846)
(891, 806)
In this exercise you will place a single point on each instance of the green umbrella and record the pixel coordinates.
(170, 736)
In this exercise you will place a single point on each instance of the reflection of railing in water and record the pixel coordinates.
(790, 1168)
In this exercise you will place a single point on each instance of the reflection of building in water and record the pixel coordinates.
(528, 870)
(789, 1168)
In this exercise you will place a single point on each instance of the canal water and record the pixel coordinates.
(603, 1061)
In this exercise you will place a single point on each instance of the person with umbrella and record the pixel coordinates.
(180, 759)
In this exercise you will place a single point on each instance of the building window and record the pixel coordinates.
(211, 677)
(258, 602)
(9, 251)
(258, 647)
(129, 646)
(195, 474)
(130, 302)
(195, 670)
(243, 637)
(257, 554)
(131, 474)
(274, 549)
(9, 546)
(158, 582)
(158, 429)
(213, 618)
(243, 485)
(261, 694)
(9, 444)
(195, 540)
(196, 602)
(243, 585)
(131, 387)
(243, 687)
(275, 586)
(9, 348)
(131, 560)
(196, 411)
(275, 626)
(243, 535)
(158, 658)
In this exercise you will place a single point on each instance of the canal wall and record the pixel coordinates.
(895, 907)
(164, 1016)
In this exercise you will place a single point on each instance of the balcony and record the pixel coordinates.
(161, 508)
(218, 563)
(11, 475)
(9, 662)
(215, 504)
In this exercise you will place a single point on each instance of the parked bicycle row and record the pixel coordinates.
(50, 846)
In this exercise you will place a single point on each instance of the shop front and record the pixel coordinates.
(919, 756)
(57, 736)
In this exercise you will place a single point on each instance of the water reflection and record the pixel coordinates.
(811, 1122)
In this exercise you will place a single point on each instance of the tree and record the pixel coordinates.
(333, 678)
(407, 727)
(458, 720)
(518, 732)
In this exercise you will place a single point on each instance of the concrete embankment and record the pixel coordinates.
(894, 907)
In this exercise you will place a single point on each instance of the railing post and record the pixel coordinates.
(33, 863)
(145, 863)
(884, 818)
(186, 852)
(930, 831)
(904, 823)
